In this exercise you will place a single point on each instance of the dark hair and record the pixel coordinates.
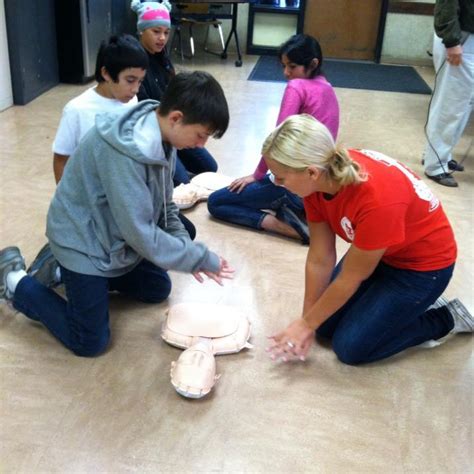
(201, 100)
(301, 50)
(119, 53)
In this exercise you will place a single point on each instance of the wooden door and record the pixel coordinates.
(346, 29)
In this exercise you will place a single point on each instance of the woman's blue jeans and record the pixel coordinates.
(389, 313)
(81, 322)
(194, 161)
(245, 208)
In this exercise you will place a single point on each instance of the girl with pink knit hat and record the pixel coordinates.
(153, 25)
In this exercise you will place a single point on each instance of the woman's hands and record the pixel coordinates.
(294, 342)
(225, 271)
(239, 184)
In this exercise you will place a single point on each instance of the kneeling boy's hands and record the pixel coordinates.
(225, 271)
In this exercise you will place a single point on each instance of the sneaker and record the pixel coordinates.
(463, 319)
(445, 179)
(10, 260)
(44, 268)
(453, 165)
(298, 223)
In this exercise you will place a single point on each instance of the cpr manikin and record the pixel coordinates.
(204, 330)
(199, 189)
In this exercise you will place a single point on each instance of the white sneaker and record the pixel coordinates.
(10, 260)
(463, 319)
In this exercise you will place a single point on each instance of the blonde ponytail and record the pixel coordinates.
(301, 141)
(342, 169)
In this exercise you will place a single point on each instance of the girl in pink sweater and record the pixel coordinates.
(248, 199)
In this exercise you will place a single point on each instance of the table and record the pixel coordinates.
(233, 17)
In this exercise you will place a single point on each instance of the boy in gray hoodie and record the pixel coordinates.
(102, 222)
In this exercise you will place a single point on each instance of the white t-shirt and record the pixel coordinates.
(79, 117)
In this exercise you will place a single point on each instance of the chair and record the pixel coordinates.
(195, 14)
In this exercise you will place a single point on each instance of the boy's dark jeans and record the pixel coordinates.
(82, 322)
(388, 314)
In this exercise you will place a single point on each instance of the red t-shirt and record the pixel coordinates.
(393, 209)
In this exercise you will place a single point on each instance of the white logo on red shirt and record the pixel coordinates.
(347, 228)
(420, 187)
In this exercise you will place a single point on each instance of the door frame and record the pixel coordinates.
(381, 30)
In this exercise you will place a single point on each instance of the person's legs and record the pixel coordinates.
(389, 314)
(188, 225)
(292, 213)
(82, 322)
(245, 208)
(451, 106)
(45, 268)
(197, 160)
(146, 282)
(180, 176)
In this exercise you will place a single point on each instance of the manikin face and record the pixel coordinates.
(302, 183)
(294, 71)
(127, 85)
(154, 39)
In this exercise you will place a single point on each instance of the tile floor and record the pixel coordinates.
(118, 413)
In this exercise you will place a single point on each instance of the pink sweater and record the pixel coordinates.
(315, 97)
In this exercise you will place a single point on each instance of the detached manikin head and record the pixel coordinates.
(204, 330)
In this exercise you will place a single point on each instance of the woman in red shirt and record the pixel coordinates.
(376, 301)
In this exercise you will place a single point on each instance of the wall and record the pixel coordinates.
(6, 94)
(408, 37)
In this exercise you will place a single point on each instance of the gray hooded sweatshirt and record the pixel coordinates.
(113, 206)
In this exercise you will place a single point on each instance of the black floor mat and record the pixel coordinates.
(351, 74)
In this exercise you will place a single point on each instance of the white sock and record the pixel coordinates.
(13, 279)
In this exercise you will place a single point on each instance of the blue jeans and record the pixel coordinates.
(82, 322)
(245, 208)
(389, 313)
(188, 225)
(194, 161)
